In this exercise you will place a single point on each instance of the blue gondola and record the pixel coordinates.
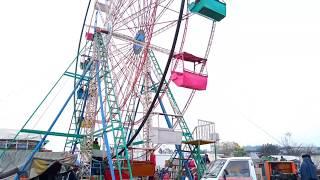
(212, 9)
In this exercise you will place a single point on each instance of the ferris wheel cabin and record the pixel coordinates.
(190, 80)
(212, 9)
(187, 78)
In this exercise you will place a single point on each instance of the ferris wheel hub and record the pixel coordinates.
(140, 36)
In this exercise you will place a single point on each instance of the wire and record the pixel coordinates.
(262, 129)
(39, 105)
(162, 79)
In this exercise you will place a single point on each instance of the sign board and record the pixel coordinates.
(165, 136)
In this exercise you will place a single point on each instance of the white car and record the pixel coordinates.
(235, 168)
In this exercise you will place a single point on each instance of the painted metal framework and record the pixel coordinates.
(88, 123)
(120, 72)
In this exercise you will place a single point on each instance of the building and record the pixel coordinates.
(21, 142)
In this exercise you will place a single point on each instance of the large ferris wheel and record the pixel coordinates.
(138, 66)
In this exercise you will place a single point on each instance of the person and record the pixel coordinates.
(95, 144)
(166, 176)
(206, 159)
(307, 169)
(193, 168)
(80, 93)
(192, 164)
(282, 158)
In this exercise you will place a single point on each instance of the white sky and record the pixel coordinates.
(263, 68)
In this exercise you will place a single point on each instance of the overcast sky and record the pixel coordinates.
(263, 68)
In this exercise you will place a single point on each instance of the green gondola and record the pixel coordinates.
(212, 9)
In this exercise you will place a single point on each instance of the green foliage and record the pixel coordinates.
(227, 148)
(239, 152)
(269, 149)
(231, 149)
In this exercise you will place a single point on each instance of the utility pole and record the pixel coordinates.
(215, 142)
(215, 138)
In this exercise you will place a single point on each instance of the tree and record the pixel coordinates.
(309, 149)
(227, 148)
(231, 149)
(239, 152)
(269, 149)
(290, 147)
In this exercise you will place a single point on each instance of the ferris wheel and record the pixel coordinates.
(125, 44)
(138, 67)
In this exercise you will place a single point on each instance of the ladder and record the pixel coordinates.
(187, 135)
(128, 120)
(122, 160)
(74, 126)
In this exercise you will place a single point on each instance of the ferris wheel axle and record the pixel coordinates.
(130, 39)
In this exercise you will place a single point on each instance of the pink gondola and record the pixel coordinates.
(189, 79)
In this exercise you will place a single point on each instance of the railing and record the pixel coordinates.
(205, 130)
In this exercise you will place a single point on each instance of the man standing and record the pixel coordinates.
(206, 159)
(308, 170)
(95, 144)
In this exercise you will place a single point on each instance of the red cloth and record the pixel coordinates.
(192, 164)
(153, 159)
(188, 57)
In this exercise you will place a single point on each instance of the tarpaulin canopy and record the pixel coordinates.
(13, 159)
(43, 160)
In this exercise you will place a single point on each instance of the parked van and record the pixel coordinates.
(234, 168)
